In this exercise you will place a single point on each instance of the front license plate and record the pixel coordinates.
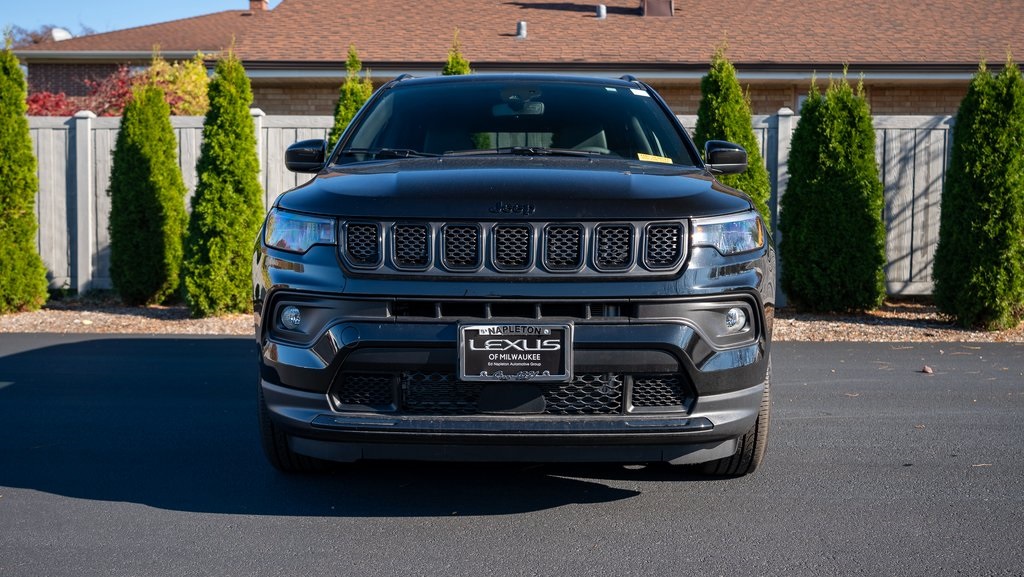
(515, 352)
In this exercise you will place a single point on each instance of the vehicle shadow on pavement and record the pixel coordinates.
(171, 423)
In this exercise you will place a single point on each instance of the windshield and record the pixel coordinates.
(517, 117)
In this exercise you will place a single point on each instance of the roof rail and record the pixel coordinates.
(629, 78)
(402, 76)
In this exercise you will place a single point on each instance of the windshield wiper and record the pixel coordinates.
(525, 151)
(388, 152)
(545, 151)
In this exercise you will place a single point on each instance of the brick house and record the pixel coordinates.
(914, 57)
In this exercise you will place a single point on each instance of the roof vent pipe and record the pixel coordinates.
(602, 11)
(521, 30)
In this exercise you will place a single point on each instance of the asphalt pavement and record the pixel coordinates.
(139, 456)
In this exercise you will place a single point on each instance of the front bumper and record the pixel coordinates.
(707, 396)
(708, 433)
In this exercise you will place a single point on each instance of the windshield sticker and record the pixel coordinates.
(639, 92)
(653, 158)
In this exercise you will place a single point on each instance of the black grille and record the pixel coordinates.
(443, 394)
(664, 245)
(512, 246)
(562, 247)
(461, 247)
(597, 394)
(614, 246)
(362, 243)
(498, 249)
(412, 248)
(658, 391)
(438, 393)
(370, 390)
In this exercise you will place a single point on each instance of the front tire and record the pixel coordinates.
(752, 444)
(275, 444)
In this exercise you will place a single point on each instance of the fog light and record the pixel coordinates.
(291, 318)
(735, 320)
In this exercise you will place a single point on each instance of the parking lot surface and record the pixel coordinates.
(139, 456)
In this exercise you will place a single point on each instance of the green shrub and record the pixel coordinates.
(833, 238)
(724, 114)
(979, 262)
(354, 92)
(22, 274)
(147, 202)
(457, 63)
(227, 208)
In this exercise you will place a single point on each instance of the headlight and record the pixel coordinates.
(297, 232)
(731, 234)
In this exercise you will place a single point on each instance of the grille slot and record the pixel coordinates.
(664, 247)
(362, 244)
(412, 246)
(614, 246)
(510, 309)
(658, 391)
(587, 394)
(366, 390)
(438, 393)
(562, 247)
(512, 246)
(443, 394)
(461, 247)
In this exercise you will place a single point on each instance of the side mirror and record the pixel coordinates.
(723, 157)
(306, 156)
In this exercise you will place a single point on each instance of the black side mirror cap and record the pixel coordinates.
(722, 157)
(306, 156)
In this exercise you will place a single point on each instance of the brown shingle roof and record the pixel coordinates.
(775, 32)
(566, 34)
(209, 33)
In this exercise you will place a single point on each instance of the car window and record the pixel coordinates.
(491, 117)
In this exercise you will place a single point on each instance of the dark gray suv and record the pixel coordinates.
(515, 267)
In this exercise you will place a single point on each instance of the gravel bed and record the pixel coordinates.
(903, 321)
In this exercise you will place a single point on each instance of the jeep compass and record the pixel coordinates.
(514, 268)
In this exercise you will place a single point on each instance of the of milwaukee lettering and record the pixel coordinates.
(525, 345)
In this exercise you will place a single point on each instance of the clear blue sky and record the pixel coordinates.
(107, 15)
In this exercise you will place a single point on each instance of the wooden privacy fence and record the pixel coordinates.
(75, 157)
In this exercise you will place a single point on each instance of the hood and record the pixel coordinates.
(514, 188)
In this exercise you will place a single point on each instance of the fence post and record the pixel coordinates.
(257, 119)
(784, 137)
(85, 203)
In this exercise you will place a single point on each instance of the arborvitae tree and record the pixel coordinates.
(724, 114)
(833, 237)
(22, 274)
(227, 208)
(147, 202)
(354, 92)
(979, 262)
(457, 63)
